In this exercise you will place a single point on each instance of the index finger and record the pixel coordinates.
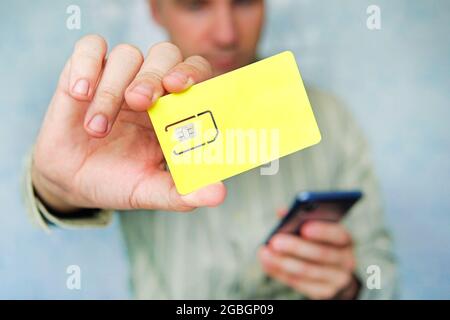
(327, 232)
(308, 250)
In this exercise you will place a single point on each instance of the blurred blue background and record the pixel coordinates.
(395, 80)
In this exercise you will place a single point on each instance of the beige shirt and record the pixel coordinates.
(211, 253)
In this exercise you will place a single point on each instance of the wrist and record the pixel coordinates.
(351, 291)
(46, 192)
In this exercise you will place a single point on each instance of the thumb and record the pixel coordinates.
(158, 192)
(209, 196)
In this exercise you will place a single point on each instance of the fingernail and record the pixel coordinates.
(155, 98)
(144, 89)
(99, 123)
(209, 196)
(182, 78)
(81, 87)
(179, 76)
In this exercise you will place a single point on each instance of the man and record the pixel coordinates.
(97, 152)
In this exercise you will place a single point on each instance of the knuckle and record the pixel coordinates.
(347, 238)
(351, 264)
(152, 78)
(294, 247)
(188, 70)
(272, 267)
(128, 50)
(333, 256)
(181, 208)
(166, 45)
(91, 57)
(266, 268)
(176, 205)
(169, 49)
(342, 238)
(91, 43)
(290, 267)
(295, 283)
(314, 296)
(299, 268)
(343, 235)
(322, 293)
(150, 75)
(323, 253)
(108, 96)
(306, 270)
(326, 293)
(344, 280)
(93, 38)
(289, 280)
(201, 62)
(133, 203)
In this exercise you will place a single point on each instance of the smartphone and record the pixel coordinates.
(325, 206)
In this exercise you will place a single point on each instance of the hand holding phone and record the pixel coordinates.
(320, 264)
(307, 206)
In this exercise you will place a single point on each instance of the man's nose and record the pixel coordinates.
(223, 29)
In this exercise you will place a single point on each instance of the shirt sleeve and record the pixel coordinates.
(376, 262)
(41, 216)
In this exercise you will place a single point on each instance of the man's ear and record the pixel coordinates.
(155, 8)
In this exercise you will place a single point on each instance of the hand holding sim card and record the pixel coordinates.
(235, 122)
(108, 155)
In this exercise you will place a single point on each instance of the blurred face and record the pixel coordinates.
(226, 32)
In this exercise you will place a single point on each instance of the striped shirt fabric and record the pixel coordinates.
(210, 253)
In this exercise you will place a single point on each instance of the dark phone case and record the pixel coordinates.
(325, 206)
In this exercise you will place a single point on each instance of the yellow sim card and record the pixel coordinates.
(235, 122)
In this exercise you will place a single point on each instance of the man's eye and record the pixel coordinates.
(245, 2)
(195, 4)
